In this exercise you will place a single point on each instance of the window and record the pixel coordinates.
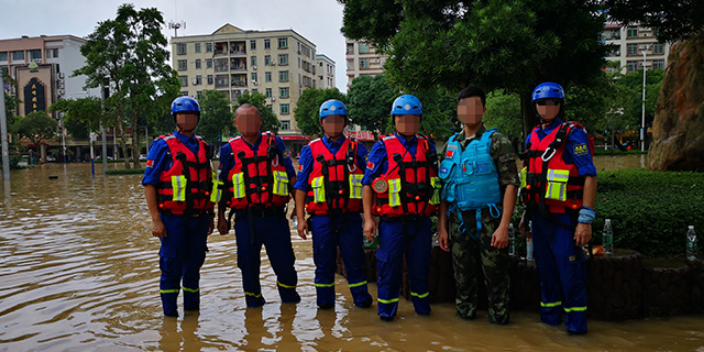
(283, 43)
(198, 64)
(283, 59)
(17, 55)
(208, 63)
(350, 63)
(253, 59)
(268, 93)
(267, 44)
(222, 81)
(182, 65)
(614, 52)
(210, 80)
(182, 94)
(632, 66)
(320, 64)
(197, 48)
(286, 125)
(659, 64)
(632, 49)
(252, 44)
(284, 109)
(181, 49)
(199, 94)
(350, 48)
(208, 47)
(255, 91)
(283, 92)
(267, 60)
(199, 80)
(3, 55)
(658, 48)
(656, 31)
(184, 81)
(283, 76)
(632, 31)
(221, 65)
(363, 48)
(254, 77)
(267, 76)
(363, 63)
(50, 54)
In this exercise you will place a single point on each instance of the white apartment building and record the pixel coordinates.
(631, 41)
(326, 71)
(362, 60)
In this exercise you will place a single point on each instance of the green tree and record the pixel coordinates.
(270, 121)
(370, 99)
(503, 112)
(307, 111)
(632, 85)
(507, 44)
(674, 20)
(10, 101)
(215, 117)
(36, 126)
(82, 116)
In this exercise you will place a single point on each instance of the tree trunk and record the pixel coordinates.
(135, 139)
(530, 120)
(121, 134)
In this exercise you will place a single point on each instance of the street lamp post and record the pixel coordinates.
(642, 121)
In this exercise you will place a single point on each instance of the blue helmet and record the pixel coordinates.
(547, 90)
(184, 104)
(407, 105)
(332, 107)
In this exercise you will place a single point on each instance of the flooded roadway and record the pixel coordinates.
(79, 272)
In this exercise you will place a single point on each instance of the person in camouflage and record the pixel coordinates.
(477, 189)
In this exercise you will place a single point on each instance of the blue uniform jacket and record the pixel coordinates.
(306, 160)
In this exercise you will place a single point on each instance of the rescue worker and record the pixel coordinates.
(401, 186)
(480, 182)
(257, 171)
(177, 182)
(329, 188)
(559, 188)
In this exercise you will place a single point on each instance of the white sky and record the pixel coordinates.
(318, 20)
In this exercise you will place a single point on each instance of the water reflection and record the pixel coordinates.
(79, 272)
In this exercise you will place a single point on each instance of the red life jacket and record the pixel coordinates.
(413, 183)
(257, 179)
(336, 181)
(185, 187)
(545, 180)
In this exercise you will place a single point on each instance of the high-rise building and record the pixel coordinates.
(630, 42)
(43, 67)
(363, 60)
(326, 71)
(280, 64)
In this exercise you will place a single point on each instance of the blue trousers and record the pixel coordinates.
(345, 231)
(396, 238)
(562, 269)
(182, 254)
(274, 233)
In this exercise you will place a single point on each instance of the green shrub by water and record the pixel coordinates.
(125, 172)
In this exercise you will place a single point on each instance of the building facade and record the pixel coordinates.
(629, 44)
(362, 60)
(326, 71)
(280, 64)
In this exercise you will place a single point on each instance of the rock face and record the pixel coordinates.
(678, 128)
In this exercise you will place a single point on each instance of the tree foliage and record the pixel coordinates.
(503, 112)
(307, 110)
(674, 19)
(370, 100)
(82, 116)
(269, 120)
(36, 126)
(215, 117)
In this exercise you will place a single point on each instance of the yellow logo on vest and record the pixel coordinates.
(580, 149)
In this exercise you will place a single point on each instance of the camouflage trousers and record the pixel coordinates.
(471, 258)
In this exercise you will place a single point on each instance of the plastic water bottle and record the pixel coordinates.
(608, 237)
(511, 240)
(436, 240)
(529, 244)
(691, 244)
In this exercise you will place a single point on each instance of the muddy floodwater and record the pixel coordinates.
(79, 272)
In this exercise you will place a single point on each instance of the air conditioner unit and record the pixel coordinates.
(273, 62)
(273, 99)
(254, 67)
(195, 83)
(254, 83)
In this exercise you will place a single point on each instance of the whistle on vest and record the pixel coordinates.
(380, 185)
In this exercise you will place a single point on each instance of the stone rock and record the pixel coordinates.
(678, 128)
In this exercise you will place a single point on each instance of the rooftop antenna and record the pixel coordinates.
(175, 25)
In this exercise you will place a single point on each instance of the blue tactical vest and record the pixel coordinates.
(471, 181)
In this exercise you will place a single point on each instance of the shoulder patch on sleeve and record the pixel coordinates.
(370, 165)
(580, 149)
(150, 163)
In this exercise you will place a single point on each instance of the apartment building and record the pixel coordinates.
(326, 71)
(280, 64)
(362, 60)
(630, 43)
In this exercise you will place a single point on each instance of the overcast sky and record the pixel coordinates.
(318, 20)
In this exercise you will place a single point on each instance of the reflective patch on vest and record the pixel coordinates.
(356, 186)
(178, 184)
(394, 192)
(580, 149)
(318, 189)
(557, 184)
(280, 183)
(437, 186)
(216, 194)
(238, 187)
(524, 177)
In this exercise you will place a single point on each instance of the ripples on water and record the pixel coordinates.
(79, 272)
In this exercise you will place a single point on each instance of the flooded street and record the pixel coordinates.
(79, 272)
